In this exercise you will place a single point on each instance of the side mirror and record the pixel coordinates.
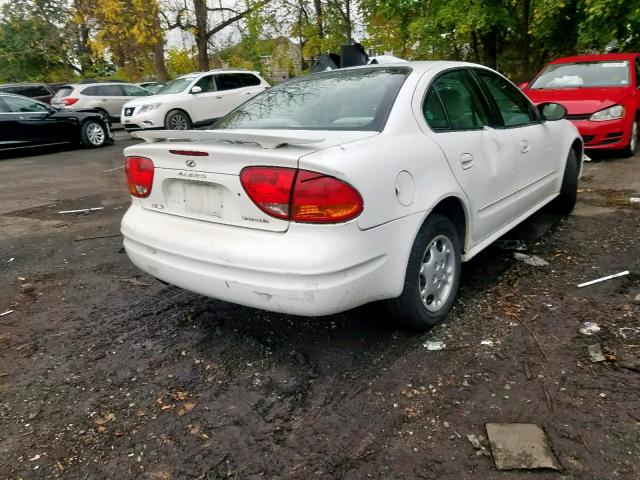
(523, 85)
(552, 111)
(196, 89)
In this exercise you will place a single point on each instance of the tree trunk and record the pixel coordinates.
(526, 62)
(159, 67)
(319, 19)
(200, 10)
(347, 19)
(490, 48)
(475, 47)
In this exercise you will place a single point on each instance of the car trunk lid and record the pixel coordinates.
(197, 173)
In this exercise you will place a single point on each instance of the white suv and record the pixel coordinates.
(193, 100)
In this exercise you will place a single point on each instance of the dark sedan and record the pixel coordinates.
(25, 122)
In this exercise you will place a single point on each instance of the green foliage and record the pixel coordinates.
(180, 62)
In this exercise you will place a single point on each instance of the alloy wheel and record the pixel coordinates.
(437, 273)
(178, 122)
(95, 134)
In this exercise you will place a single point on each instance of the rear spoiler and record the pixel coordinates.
(265, 140)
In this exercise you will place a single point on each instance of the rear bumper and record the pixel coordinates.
(309, 270)
(612, 134)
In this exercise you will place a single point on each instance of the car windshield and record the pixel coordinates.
(63, 92)
(176, 86)
(358, 99)
(584, 74)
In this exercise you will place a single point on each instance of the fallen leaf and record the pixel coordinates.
(105, 419)
(180, 396)
(186, 408)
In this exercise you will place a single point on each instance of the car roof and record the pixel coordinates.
(21, 84)
(596, 57)
(420, 66)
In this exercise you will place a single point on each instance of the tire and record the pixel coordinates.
(177, 120)
(630, 150)
(93, 134)
(566, 200)
(424, 303)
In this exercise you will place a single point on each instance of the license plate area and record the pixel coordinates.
(194, 198)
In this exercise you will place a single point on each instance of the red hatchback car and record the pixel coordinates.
(601, 94)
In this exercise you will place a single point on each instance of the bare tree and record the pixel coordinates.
(195, 16)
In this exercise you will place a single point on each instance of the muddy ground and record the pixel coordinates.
(106, 373)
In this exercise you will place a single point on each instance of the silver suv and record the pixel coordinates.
(106, 98)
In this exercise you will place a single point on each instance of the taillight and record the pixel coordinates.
(70, 101)
(139, 172)
(318, 198)
(301, 195)
(269, 188)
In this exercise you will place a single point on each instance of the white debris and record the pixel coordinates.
(595, 353)
(589, 328)
(6, 313)
(11, 259)
(532, 260)
(603, 279)
(488, 343)
(634, 199)
(434, 345)
(82, 210)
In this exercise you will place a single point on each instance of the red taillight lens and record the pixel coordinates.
(70, 101)
(312, 198)
(139, 176)
(318, 198)
(269, 188)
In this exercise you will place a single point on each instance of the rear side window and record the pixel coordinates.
(460, 97)
(228, 81)
(31, 90)
(111, 91)
(249, 80)
(91, 91)
(63, 92)
(434, 112)
(637, 72)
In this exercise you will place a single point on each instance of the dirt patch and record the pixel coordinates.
(103, 378)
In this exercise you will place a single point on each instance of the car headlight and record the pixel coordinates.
(611, 113)
(148, 108)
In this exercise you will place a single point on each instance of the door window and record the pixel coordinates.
(248, 79)
(228, 81)
(637, 72)
(133, 91)
(453, 102)
(515, 109)
(23, 105)
(206, 84)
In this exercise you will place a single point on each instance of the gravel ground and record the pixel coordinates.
(106, 373)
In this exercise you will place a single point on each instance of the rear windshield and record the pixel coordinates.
(584, 74)
(63, 92)
(176, 86)
(357, 99)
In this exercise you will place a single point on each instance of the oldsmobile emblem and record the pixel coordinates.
(191, 163)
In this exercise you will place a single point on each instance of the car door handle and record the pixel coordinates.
(248, 93)
(524, 146)
(217, 97)
(466, 159)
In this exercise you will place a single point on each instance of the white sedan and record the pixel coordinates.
(346, 187)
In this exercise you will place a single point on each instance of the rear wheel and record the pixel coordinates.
(433, 275)
(631, 149)
(177, 120)
(565, 202)
(93, 134)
